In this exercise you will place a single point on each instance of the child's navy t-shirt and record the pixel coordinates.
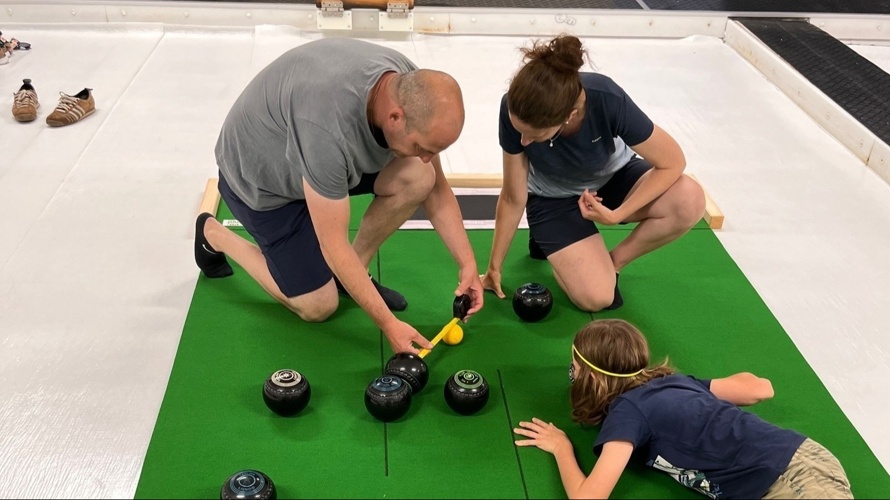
(678, 426)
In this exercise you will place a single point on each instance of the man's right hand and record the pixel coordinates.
(403, 336)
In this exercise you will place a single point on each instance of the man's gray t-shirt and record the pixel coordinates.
(305, 117)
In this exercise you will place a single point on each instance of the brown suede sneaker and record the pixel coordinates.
(24, 106)
(72, 108)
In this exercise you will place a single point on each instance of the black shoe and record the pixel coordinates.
(534, 251)
(617, 301)
(394, 300)
(212, 263)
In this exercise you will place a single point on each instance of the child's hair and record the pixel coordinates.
(617, 347)
(545, 89)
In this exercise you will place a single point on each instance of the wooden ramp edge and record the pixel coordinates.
(210, 201)
(713, 216)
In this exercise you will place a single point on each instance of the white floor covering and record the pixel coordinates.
(878, 54)
(96, 269)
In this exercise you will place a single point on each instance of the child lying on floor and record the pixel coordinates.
(690, 428)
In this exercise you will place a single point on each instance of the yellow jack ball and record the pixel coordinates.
(454, 336)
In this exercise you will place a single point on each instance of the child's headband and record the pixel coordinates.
(604, 372)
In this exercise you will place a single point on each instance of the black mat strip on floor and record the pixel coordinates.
(472, 207)
(821, 6)
(852, 81)
(533, 4)
(803, 6)
(499, 4)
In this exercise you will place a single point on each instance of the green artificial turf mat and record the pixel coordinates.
(690, 299)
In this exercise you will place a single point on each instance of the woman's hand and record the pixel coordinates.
(491, 280)
(592, 209)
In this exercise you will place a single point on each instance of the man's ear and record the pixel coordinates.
(396, 116)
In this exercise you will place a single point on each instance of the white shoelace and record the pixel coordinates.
(24, 98)
(66, 103)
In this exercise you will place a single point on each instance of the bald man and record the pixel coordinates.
(327, 120)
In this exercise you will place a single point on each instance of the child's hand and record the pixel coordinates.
(545, 436)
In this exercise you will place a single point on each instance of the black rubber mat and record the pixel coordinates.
(472, 207)
(501, 4)
(849, 79)
(803, 6)
(821, 6)
(533, 4)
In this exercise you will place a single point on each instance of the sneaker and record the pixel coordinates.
(212, 263)
(72, 108)
(24, 106)
(394, 300)
(618, 301)
(534, 250)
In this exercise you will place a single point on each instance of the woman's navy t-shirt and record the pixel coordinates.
(588, 158)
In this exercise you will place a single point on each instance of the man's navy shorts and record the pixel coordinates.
(287, 239)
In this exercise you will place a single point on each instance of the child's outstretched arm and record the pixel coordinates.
(742, 389)
(605, 474)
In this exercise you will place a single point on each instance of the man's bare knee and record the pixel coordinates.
(315, 312)
(317, 315)
(408, 183)
(420, 184)
(313, 315)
